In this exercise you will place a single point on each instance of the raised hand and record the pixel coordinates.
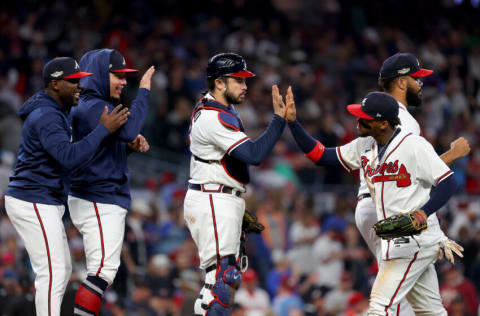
(291, 112)
(461, 147)
(146, 80)
(139, 144)
(115, 119)
(279, 107)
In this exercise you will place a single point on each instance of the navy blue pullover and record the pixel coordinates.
(104, 178)
(46, 153)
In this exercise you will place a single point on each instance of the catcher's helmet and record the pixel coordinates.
(227, 64)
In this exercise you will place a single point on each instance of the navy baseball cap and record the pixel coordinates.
(375, 106)
(403, 64)
(118, 64)
(62, 68)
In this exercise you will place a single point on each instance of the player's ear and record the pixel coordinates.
(54, 85)
(402, 83)
(221, 84)
(383, 125)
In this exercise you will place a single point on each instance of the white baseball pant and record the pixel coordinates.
(365, 218)
(215, 223)
(414, 278)
(102, 227)
(41, 228)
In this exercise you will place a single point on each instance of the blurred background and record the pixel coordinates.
(310, 260)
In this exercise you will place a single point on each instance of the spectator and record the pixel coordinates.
(456, 285)
(254, 299)
(286, 299)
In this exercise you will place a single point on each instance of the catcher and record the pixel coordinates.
(400, 169)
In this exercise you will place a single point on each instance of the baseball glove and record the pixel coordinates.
(401, 225)
(250, 224)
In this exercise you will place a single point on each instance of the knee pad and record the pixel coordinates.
(227, 280)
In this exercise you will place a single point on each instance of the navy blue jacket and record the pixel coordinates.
(46, 153)
(104, 178)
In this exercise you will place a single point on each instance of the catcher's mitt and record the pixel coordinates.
(250, 224)
(401, 225)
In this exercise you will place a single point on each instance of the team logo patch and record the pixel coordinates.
(403, 70)
(56, 74)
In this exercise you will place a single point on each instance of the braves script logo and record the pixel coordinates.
(387, 172)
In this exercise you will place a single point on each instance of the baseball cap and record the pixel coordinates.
(403, 64)
(375, 106)
(250, 275)
(118, 64)
(62, 68)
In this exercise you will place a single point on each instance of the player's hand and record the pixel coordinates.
(146, 80)
(115, 119)
(139, 144)
(291, 112)
(420, 218)
(279, 107)
(447, 248)
(461, 147)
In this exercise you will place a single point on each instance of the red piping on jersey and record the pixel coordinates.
(48, 258)
(101, 238)
(383, 205)
(398, 309)
(236, 144)
(213, 191)
(401, 141)
(226, 124)
(397, 145)
(400, 284)
(443, 176)
(341, 160)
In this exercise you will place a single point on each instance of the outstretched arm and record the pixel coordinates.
(254, 152)
(56, 140)
(313, 149)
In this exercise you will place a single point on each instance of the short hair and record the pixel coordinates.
(211, 83)
(386, 83)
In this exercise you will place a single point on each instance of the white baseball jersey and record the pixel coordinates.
(402, 182)
(213, 136)
(408, 124)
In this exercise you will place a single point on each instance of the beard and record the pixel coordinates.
(414, 98)
(68, 101)
(232, 99)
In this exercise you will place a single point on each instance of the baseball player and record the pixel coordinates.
(99, 196)
(400, 77)
(221, 153)
(38, 187)
(400, 169)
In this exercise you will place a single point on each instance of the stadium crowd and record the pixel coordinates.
(310, 260)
